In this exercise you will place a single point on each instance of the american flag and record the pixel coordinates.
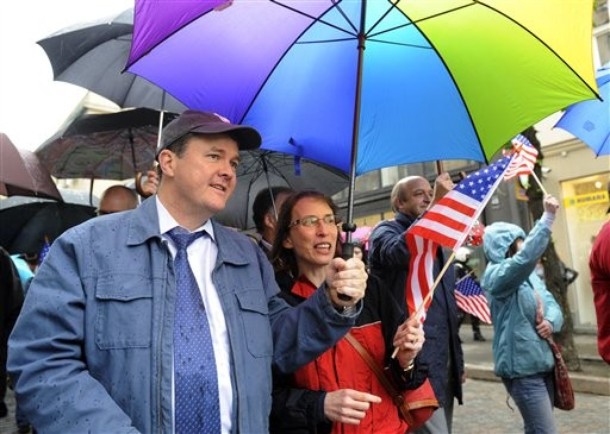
(447, 223)
(524, 159)
(470, 298)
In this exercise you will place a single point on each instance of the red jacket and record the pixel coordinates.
(342, 367)
(599, 263)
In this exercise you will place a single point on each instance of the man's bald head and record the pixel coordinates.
(411, 195)
(117, 198)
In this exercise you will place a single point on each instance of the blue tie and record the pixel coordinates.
(197, 408)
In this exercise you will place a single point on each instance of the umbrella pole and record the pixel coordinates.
(266, 170)
(349, 227)
(91, 191)
(161, 115)
(439, 167)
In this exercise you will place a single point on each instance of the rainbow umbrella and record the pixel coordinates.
(361, 85)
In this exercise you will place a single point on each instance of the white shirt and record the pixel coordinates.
(202, 255)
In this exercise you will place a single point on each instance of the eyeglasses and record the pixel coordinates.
(312, 220)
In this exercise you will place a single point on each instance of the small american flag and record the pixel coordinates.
(524, 159)
(447, 223)
(470, 298)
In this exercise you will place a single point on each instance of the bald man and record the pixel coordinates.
(117, 198)
(389, 256)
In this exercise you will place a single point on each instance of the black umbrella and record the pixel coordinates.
(104, 146)
(93, 56)
(21, 173)
(262, 169)
(26, 223)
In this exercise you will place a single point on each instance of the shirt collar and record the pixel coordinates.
(167, 222)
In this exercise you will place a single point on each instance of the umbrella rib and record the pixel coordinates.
(318, 19)
(385, 14)
(381, 41)
(322, 41)
(414, 23)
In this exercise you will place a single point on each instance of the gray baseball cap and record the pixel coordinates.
(192, 121)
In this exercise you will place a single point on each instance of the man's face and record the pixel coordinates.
(415, 197)
(203, 178)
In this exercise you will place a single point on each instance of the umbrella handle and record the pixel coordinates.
(347, 251)
(138, 181)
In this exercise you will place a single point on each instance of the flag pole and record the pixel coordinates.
(464, 277)
(539, 183)
(428, 297)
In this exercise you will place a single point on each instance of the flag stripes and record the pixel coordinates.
(449, 221)
(524, 160)
(419, 280)
(470, 298)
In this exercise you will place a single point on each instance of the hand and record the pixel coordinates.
(348, 406)
(442, 185)
(409, 339)
(151, 183)
(346, 277)
(551, 205)
(544, 329)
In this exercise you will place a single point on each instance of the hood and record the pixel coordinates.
(497, 239)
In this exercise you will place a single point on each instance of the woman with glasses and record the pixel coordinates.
(337, 392)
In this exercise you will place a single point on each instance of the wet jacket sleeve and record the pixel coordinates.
(388, 246)
(46, 360)
(599, 264)
(301, 333)
(552, 311)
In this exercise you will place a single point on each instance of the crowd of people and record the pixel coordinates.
(153, 317)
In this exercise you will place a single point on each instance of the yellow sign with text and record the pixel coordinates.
(586, 199)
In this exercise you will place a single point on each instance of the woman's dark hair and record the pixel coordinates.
(512, 249)
(284, 259)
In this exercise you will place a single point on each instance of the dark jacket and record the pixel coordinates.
(301, 411)
(389, 261)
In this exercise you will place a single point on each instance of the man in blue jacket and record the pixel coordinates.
(94, 348)
(441, 356)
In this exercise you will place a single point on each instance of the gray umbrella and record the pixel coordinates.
(262, 169)
(104, 146)
(93, 56)
(21, 173)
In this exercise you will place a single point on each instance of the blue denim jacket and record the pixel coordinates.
(92, 349)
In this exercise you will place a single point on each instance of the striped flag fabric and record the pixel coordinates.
(470, 298)
(421, 274)
(449, 221)
(525, 156)
(447, 224)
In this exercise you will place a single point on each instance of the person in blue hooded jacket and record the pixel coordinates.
(524, 315)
